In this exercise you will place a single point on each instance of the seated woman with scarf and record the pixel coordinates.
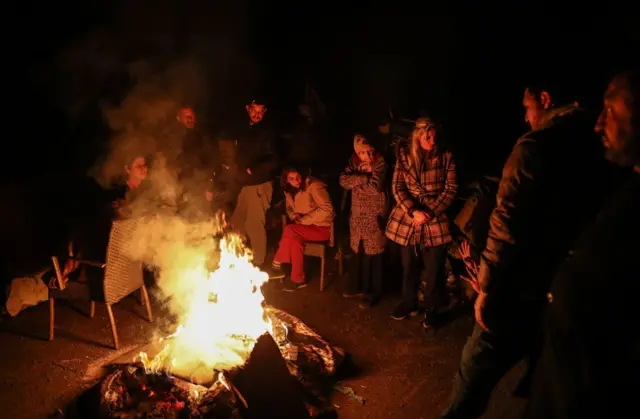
(310, 211)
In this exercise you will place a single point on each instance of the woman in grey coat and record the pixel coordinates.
(364, 176)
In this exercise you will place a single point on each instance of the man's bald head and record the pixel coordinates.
(187, 117)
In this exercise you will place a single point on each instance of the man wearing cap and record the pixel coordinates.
(257, 167)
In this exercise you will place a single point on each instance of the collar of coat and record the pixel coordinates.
(554, 113)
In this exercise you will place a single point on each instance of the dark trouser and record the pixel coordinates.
(486, 358)
(365, 274)
(5, 284)
(423, 263)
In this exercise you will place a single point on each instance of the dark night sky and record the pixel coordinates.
(467, 70)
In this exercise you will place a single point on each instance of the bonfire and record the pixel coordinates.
(210, 365)
(223, 316)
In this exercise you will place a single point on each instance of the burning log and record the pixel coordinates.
(129, 392)
(286, 376)
(262, 388)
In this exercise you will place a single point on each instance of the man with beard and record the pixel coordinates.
(591, 352)
(257, 167)
(196, 165)
(546, 196)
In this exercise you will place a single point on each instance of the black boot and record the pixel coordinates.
(427, 322)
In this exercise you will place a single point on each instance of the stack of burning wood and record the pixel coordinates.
(130, 392)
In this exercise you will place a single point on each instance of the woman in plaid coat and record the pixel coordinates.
(364, 176)
(424, 185)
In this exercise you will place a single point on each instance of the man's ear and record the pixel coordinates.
(127, 169)
(545, 99)
(247, 107)
(178, 118)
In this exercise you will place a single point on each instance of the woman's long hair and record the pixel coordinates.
(416, 153)
(286, 187)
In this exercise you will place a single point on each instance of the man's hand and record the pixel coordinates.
(419, 218)
(470, 265)
(69, 266)
(472, 280)
(465, 250)
(480, 310)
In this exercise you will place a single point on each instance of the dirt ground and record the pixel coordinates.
(404, 373)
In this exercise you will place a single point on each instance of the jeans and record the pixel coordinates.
(427, 264)
(487, 357)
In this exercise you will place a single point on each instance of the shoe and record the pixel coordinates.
(428, 322)
(368, 302)
(402, 311)
(290, 286)
(352, 294)
(273, 271)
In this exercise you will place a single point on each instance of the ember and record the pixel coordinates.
(287, 376)
(131, 392)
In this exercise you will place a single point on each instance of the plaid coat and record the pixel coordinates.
(430, 188)
(368, 204)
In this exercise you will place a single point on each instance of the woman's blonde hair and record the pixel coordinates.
(416, 153)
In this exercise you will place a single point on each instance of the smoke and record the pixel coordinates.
(144, 123)
(151, 58)
(140, 70)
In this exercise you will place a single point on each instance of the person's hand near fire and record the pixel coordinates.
(470, 265)
(70, 265)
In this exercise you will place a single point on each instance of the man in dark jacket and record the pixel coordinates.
(591, 352)
(305, 145)
(546, 195)
(196, 164)
(257, 166)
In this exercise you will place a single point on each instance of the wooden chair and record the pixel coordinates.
(122, 276)
(319, 250)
